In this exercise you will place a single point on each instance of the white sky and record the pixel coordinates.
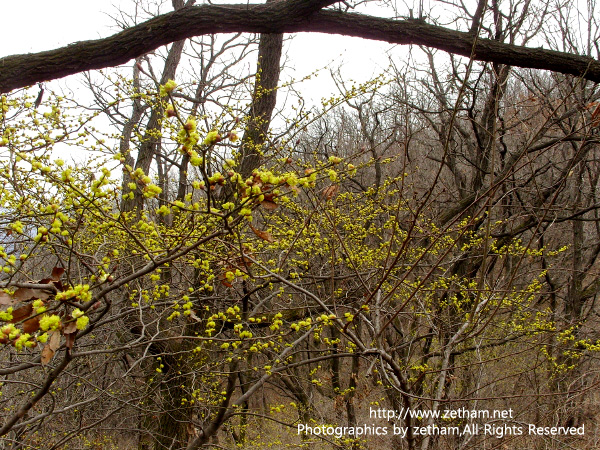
(37, 25)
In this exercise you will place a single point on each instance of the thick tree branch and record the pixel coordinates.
(23, 70)
(278, 17)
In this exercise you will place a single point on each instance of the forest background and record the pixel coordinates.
(196, 253)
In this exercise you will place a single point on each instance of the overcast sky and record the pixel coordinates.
(37, 25)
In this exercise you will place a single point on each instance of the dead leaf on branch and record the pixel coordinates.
(6, 300)
(269, 205)
(50, 349)
(234, 262)
(57, 273)
(194, 316)
(31, 325)
(330, 191)
(265, 235)
(70, 327)
(70, 330)
(47, 354)
(70, 340)
(21, 313)
(54, 340)
(23, 294)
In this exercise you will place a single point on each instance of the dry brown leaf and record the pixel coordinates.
(51, 347)
(71, 327)
(70, 340)
(59, 286)
(194, 316)
(330, 191)
(5, 299)
(269, 205)
(242, 263)
(265, 235)
(23, 294)
(31, 325)
(70, 330)
(21, 313)
(54, 341)
(47, 354)
(57, 273)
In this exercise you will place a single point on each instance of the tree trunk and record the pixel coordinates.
(263, 100)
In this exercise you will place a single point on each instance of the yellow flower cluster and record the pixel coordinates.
(167, 88)
(51, 322)
(80, 292)
(211, 138)
(6, 316)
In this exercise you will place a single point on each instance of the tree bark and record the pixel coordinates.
(263, 100)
